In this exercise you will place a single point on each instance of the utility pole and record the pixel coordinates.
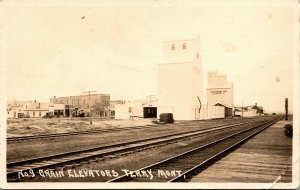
(150, 98)
(70, 113)
(286, 108)
(90, 104)
(242, 109)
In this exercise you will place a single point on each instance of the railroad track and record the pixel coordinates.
(196, 160)
(56, 135)
(102, 152)
(103, 130)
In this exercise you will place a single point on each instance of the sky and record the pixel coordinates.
(62, 48)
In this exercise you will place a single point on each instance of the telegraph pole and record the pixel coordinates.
(150, 97)
(70, 113)
(286, 108)
(242, 109)
(90, 104)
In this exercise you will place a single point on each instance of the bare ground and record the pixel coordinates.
(36, 126)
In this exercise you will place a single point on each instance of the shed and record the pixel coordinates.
(228, 109)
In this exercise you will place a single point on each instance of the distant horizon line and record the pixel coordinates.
(266, 111)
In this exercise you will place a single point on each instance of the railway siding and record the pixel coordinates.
(93, 164)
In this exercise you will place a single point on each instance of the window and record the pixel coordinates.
(40, 114)
(33, 114)
(130, 110)
(197, 55)
(173, 46)
(184, 46)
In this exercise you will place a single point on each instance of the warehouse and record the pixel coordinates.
(136, 109)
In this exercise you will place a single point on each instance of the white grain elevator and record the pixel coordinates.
(180, 79)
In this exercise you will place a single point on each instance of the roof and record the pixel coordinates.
(256, 107)
(38, 106)
(222, 104)
(81, 95)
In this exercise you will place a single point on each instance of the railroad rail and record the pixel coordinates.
(196, 160)
(56, 135)
(100, 153)
(95, 131)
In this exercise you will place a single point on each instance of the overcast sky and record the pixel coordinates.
(65, 47)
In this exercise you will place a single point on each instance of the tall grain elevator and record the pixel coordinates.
(180, 79)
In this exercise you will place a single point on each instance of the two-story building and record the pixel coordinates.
(15, 108)
(97, 103)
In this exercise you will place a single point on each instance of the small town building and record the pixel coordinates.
(16, 108)
(248, 111)
(33, 109)
(57, 110)
(136, 109)
(228, 110)
(37, 109)
(97, 103)
(112, 105)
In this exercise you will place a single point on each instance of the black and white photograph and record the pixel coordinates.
(147, 94)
